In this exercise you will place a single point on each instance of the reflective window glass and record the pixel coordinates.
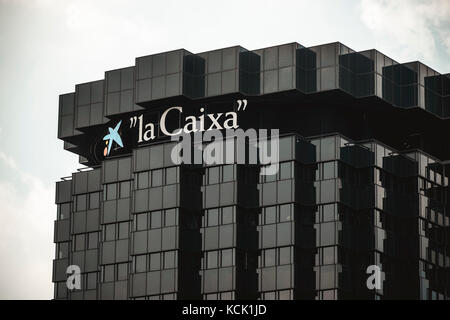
(157, 176)
(155, 261)
(211, 259)
(170, 217)
(93, 240)
(79, 242)
(269, 257)
(123, 230)
(94, 200)
(125, 189)
(285, 170)
(169, 259)
(213, 175)
(171, 175)
(228, 173)
(122, 271)
(110, 232)
(111, 191)
(286, 212)
(270, 215)
(213, 217)
(143, 180)
(227, 215)
(155, 219)
(285, 255)
(108, 273)
(141, 221)
(227, 258)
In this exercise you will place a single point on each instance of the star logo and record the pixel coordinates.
(112, 136)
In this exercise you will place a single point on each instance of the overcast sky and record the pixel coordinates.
(48, 46)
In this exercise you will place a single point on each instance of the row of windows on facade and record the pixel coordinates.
(157, 177)
(270, 279)
(121, 230)
(276, 214)
(285, 171)
(276, 256)
(91, 201)
(225, 215)
(336, 169)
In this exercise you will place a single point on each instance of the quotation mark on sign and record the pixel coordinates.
(242, 103)
(133, 121)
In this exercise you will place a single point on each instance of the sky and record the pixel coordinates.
(48, 46)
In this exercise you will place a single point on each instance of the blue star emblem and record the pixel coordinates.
(112, 136)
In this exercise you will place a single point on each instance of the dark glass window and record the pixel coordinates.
(328, 170)
(328, 255)
(328, 148)
(327, 233)
(227, 258)
(140, 263)
(79, 242)
(285, 148)
(64, 211)
(286, 170)
(269, 257)
(327, 277)
(93, 240)
(211, 259)
(227, 296)
(62, 250)
(125, 189)
(141, 221)
(284, 295)
(81, 202)
(228, 173)
(269, 236)
(123, 230)
(328, 212)
(213, 175)
(94, 200)
(227, 215)
(285, 255)
(122, 271)
(213, 217)
(170, 217)
(328, 191)
(155, 219)
(110, 232)
(171, 175)
(157, 177)
(226, 236)
(270, 215)
(286, 212)
(169, 259)
(155, 261)
(91, 280)
(108, 273)
(143, 180)
(284, 233)
(111, 192)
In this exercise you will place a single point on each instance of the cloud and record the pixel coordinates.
(26, 248)
(9, 161)
(410, 29)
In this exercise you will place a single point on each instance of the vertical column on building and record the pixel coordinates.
(229, 238)
(343, 189)
(286, 233)
(62, 238)
(361, 238)
(166, 220)
(85, 232)
(115, 260)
